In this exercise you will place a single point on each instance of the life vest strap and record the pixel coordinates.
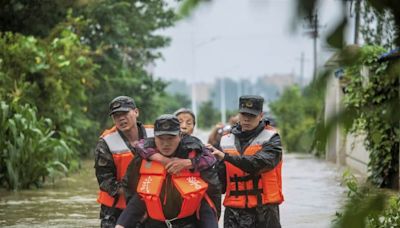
(255, 191)
(235, 178)
(178, 222)
(211, 204)
(246, 192)
(260, 216)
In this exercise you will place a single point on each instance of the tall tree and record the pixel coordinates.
(208, 116)
(122, 34)
(33, 17)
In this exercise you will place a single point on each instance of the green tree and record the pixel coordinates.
(33, 17)
(67, 60)
(296, 117)
(170, 103)
(123, 43)
(208, 116)
(122, 34)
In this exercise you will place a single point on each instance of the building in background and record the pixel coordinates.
(268, 86)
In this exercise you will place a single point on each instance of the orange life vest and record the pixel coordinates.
(122, 156)
(247, 191)
(189, 184)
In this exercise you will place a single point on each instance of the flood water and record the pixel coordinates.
(71, 202)
(311, 187)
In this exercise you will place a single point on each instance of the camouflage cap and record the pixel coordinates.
(251, 104)
(121, 104)
(166, 124)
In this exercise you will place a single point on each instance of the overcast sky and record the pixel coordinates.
(240, 39)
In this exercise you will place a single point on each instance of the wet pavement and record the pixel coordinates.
(311, 188)
(312, 191)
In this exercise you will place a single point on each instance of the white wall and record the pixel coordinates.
(347, 150)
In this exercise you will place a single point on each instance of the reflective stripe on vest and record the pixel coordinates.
(242, 189)
(190, 185)
(122, 156)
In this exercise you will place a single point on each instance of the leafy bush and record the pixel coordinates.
(52, 75)
(375, 99)
(368, 207)
(29, 150)
(390, 217)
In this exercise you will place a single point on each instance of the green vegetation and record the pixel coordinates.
(44, 98)
(51, 75)
(297, 113)
(367, 206)
(371, 109)
(171, 103)
(208, 116)
(121, 36)
(29, 151)
(371, 106)
(375, 99)
(59, 68)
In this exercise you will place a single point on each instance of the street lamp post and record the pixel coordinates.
(194, 73)
(223, 105)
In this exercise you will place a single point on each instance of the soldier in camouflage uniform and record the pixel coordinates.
(113, 153)
(251, 169)
(177, 147)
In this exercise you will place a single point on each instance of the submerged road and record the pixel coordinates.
(311, 187)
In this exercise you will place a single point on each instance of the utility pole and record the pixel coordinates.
(193, 88)
(313, 28)
(302, 59)
(315, 36)
(223, 104)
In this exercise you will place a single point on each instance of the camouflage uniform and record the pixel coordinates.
(204, 162)
(265, 160)
(106, 176)
(268, 158)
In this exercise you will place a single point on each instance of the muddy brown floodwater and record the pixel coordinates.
(71, 202)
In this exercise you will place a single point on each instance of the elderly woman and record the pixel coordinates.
(186, 119)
